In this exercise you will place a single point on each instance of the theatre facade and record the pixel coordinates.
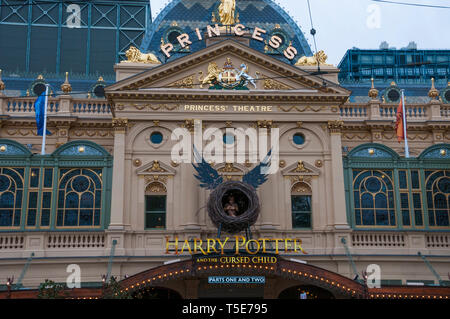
(111, 197)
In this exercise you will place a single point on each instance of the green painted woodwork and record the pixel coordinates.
(22, 157)
(382, 157)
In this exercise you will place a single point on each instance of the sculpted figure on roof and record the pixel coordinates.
(227, 10)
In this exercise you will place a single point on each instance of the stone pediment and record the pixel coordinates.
(300, 168)
(155, 168)
(195, 74)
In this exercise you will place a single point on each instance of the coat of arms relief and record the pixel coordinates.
(229, 77)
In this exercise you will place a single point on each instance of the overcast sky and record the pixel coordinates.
(343, 24)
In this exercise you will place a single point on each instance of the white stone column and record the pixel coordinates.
(118, 181)
(337, 180)
(268, 204)
(189, 197)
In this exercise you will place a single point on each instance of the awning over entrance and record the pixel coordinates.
(277, 272)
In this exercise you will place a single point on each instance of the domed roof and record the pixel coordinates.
(184, 16)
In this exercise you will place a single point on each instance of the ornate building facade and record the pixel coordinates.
(108, 193)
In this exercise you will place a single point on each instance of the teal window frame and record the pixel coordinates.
(63, 157)
(374, 156)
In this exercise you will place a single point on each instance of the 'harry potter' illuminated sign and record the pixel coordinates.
(275, 42)
(238, 243)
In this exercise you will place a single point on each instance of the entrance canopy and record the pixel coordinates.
(272, 267)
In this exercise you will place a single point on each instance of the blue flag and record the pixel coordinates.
(39, 108)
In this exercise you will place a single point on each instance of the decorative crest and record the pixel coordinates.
(211, 179)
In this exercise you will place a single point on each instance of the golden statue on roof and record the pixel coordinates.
(227, 11)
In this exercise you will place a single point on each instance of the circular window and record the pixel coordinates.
(373, 185)
(80, 184)
(172, 37)
(228, 139)
(299, 139)
(38, 89)
(447, 96)
(99, 91)
(156, 138)
(393, 95)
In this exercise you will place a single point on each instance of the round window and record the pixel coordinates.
(373, 185)
(99, 91)
(172, 37)
(38, 89)
(447, 95)
(80, 184)
(393, 95)
(228, 139)
(156, 138)
(299, 139)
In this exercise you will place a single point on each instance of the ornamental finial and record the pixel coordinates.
(433, 93)
(373, 92)
(66, 87)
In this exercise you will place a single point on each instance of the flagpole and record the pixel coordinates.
(44, 133)
(404, 125)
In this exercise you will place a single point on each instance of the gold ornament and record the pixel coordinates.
(187, 82)
(300, 167)
(134, 55)
(66, 87)
(227, 10)
(137, 162)
(433, 93)
(156, 167)
(318, 58)
(373, 92)
(213, 74)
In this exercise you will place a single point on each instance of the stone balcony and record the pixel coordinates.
(434, 111)
(92, 108)
(61, 106)
(152, 243)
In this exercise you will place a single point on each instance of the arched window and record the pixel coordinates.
(438, 197)
(301, 206)
(155, 206)
(373, 198)
(11, 193)
(79, 198)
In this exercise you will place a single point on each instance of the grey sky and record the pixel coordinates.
(343, 24)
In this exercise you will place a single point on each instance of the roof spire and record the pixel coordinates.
(66, 87)
(373, 92)
(433, 93)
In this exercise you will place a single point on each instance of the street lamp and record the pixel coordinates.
(9, 282)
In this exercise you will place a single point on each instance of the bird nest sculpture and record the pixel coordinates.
(233, 206)
(246, 200)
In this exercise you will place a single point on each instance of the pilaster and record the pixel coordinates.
(118, 182)
(337, 178)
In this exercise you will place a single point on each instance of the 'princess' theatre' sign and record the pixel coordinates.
(275, 42)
